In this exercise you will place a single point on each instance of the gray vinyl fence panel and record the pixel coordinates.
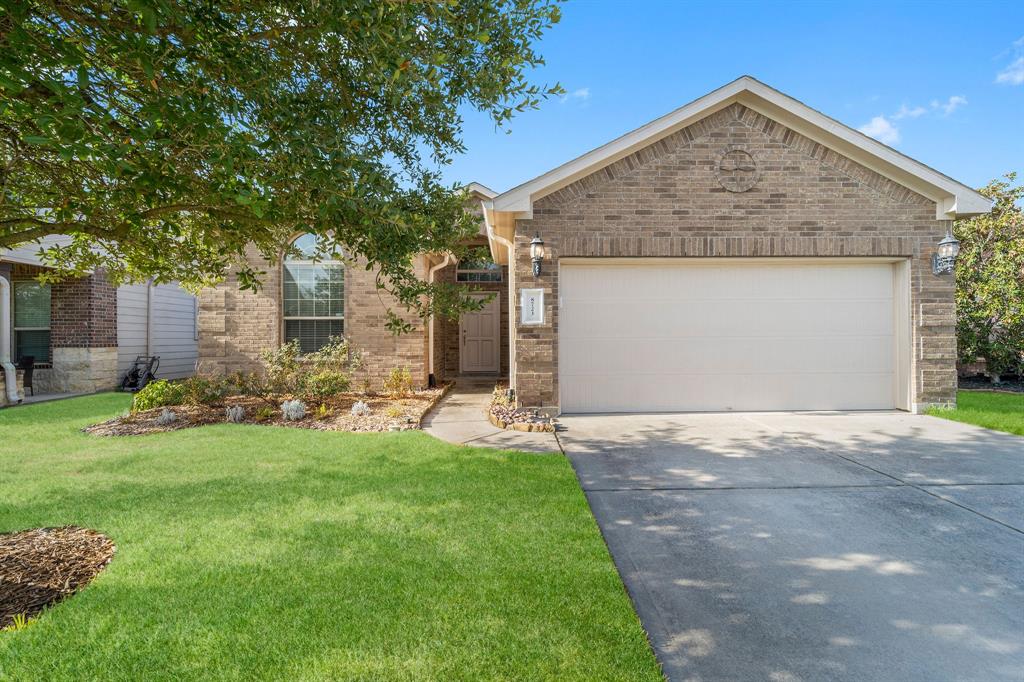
(158, 320)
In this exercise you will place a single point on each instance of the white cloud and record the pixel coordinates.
(1012, 74)
(581, 94)
(950, 105)
(907, 112)
(881, 129)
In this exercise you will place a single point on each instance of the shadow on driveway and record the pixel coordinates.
(814, 546)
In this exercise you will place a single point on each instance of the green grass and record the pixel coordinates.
(998, 411)
(248, 552)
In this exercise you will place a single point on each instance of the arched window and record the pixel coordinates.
(313, 296)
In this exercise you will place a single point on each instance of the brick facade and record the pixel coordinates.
(83, 313)
(235, 326)
(665, 201)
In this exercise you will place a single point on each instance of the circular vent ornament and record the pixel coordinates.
(737, 169)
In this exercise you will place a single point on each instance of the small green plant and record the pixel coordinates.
(323, 412)
(263, 414)
(398, 383)
(21, 621)
(325, 384)
(160, 393)
(394, 412)
(367, 387)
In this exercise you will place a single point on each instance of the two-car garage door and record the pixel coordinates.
(700, 335)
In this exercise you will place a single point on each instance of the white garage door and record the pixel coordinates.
(688, 335)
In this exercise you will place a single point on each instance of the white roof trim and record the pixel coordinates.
(482, 190)
(953, 199)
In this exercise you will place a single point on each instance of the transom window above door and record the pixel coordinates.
(313, 296)
(478, 268)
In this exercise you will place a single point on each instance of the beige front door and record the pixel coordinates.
(479, 338)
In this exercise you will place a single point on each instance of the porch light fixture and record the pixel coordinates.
(944, 258)
(536, 253)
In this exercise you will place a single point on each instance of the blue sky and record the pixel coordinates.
(941, 82)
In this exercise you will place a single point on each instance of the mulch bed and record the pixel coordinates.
(386, 414)
(984, 384)
(43, 566)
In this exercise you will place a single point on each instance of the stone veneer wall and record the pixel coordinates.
(665, 200)
(235, 325)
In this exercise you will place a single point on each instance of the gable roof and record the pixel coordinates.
(952, 199)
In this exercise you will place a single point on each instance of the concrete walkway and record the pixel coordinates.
(461, 417)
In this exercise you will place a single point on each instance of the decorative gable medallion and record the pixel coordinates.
(737, 169)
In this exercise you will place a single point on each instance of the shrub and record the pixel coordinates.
(281, 369)
(293, 410)
(264, 413)
(394, 412)
(360, 409)
(398, 383)
(336, 356)
(323, 412)
(167, 416)
(199, 390)
(158, 393)
(235, 414)
(325, 384)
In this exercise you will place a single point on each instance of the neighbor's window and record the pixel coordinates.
(32, 321)
(314, 296)
(478, 269)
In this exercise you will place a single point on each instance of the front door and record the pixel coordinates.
(480, 338)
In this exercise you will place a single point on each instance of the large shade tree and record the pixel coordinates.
(164, 136)
(990, 281)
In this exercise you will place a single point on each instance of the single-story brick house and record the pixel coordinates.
(83, 334)
(743, 252)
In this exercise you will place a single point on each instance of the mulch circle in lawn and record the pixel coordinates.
(42, 566)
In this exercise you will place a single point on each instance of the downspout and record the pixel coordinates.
(491, 234)
(431, 379)
(10, 374)
(149, 316)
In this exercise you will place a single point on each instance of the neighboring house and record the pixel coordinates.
(84, 333)
(744, 252)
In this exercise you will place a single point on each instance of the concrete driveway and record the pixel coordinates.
(814, 546)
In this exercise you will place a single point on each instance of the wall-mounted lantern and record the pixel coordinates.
(944, 258)
(536, 253)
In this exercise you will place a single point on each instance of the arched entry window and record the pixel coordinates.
(313, 296)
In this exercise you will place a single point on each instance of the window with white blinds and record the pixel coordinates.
(313, 296)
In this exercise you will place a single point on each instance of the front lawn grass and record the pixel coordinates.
(998, 411)
(256, 552)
